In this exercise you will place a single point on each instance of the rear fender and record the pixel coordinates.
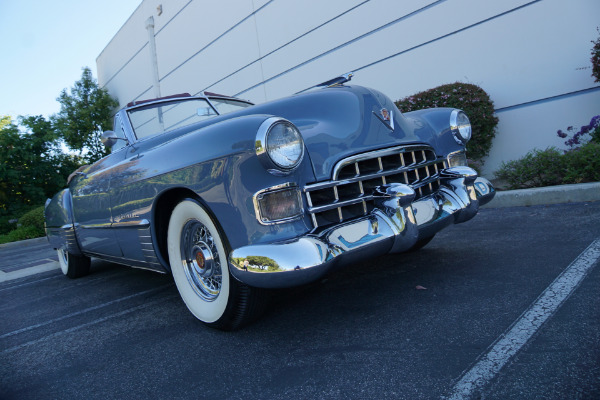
(59, 223)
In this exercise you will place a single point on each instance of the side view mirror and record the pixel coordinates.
(205, 112)
(109, 139)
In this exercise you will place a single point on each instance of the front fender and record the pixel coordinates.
(438, 120)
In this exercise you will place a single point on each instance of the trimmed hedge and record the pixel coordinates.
(30, 225)
(21, 233)
(470, 98)
(34, 218)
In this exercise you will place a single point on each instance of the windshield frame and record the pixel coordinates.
(163, 106)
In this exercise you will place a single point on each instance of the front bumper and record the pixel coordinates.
(394, 226)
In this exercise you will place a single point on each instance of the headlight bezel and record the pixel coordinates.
(267, 154)
(460, 125)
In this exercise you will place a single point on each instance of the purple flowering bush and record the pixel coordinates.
(580, 163)
(593, 129)
(470, 98)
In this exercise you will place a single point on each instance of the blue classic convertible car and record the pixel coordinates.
(233, 199)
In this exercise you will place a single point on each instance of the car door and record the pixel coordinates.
(92, 207)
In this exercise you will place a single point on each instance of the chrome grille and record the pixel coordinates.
(350, 193)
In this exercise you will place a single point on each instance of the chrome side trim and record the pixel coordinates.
(105, 225)
(63, 238)
(141, 264)
(144, 223)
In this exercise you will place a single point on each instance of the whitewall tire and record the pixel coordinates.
(199, 265)
(73, 266)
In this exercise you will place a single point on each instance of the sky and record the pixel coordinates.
(45, 45)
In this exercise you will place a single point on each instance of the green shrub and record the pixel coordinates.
(6, 226)
(29, 226)
(470, 98)
(34, 218)
(537, 168)
(583, 164)
(553, 167)
(21, 233)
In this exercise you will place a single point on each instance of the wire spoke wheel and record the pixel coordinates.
(198, 259)
(201, 261)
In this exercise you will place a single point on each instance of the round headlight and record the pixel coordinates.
(279, 144)
(460, 126)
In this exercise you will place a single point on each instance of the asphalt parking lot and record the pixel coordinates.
(505, 306)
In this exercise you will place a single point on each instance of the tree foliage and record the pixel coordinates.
(32, 165)
(595, 59)
(86, 110)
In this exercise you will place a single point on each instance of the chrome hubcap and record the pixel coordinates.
(200, 259)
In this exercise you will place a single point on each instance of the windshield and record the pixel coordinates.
(225, 106)
(158, 118)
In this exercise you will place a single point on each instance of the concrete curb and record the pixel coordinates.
(576, 193)
(24, 243)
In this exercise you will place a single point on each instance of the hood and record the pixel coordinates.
(341, 121)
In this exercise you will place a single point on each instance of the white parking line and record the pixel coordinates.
(86, 310)
(87, 324)
(21, 273)
(507, 345)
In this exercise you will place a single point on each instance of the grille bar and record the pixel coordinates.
(349, 194)
(360, 178)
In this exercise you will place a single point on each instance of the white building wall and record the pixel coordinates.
(532, 57)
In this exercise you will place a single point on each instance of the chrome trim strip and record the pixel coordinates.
(339, 204)
(375, 154)
(105, 225)
(144, 223)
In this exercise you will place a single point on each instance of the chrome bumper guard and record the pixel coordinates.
(395, 225)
